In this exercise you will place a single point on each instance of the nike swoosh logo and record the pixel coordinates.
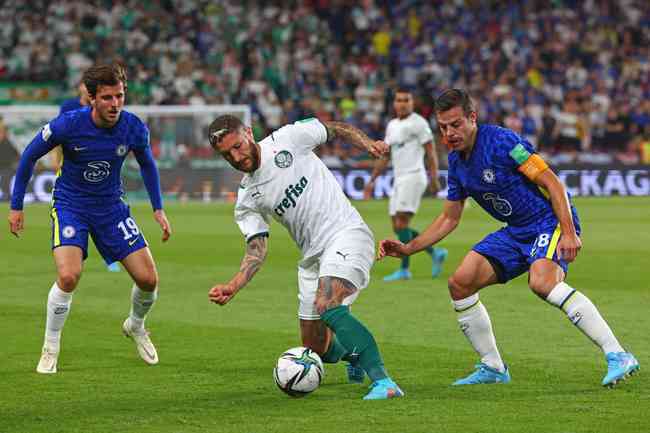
(150, 355)
(79, 149)
(133, 241)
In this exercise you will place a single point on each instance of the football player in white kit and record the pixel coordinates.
(285, 180)
(409, 137)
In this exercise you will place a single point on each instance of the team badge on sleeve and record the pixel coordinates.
(46, 133)
(284, 159)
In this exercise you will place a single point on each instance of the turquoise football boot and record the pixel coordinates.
(383, 390)
(438, 257)
(620, 365)
(484, 375)
(400, 274)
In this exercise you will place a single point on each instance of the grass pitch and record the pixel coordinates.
(215, 373)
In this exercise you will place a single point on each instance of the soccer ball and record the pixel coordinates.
(298, 372)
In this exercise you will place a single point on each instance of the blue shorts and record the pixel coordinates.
(113, 230)
(511, 250)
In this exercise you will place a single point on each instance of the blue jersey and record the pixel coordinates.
(491, 178)
(70, 105)
(92, 160)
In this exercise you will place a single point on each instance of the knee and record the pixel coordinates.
(459, 288)
(540, 285)
(149, 282)
(68, 279)
(400, 224)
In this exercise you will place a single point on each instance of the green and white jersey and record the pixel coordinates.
(406, 138)
(293, 186)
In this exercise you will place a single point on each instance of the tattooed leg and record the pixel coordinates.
(350, 332)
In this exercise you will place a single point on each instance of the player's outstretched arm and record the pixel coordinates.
(151, 178)
(38, 147)
(570, 243)
(446, 222)
(355, 136)
(254, 257)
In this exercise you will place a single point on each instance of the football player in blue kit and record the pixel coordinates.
(504, 175)
(87, 200)
(70, 105)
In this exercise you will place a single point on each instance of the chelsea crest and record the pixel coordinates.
(121, 150)
(488, 176)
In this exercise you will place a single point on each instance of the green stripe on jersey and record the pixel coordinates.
(309, 119)
(519, 154)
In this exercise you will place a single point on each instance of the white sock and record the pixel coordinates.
(58, 307)
(584, 314)
(475, 323)
(141, 303)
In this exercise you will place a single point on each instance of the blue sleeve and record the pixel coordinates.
(150, 175)
(70, 105)
(39, 146)
(455, 190)
(513, 150)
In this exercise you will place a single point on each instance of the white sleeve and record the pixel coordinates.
(389, 139)
(307, 134)
(424, 132)
(250, 221)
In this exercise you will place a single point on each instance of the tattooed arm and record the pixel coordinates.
(251, 263)
(355, 136)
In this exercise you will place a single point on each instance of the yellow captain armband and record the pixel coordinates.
(533, 166)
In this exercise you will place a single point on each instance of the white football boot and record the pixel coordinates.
(146, 349)
(47, 363)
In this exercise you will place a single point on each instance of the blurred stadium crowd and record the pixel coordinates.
(571, 76)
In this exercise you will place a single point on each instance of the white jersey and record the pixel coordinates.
(293, 186)
(406, 138)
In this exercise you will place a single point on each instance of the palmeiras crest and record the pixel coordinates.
(284, 159)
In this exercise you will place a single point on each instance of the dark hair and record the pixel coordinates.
(222, 126)
(451, 98)
(103, 75)
(402, 89)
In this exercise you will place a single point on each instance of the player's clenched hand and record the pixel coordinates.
(16, 221)
(392, 248)
(161, 218)
(568, 247)
(378, 149)
(222, 293)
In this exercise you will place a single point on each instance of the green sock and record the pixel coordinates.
(414, 234)
(404, 236)
(335, 352)
(356, 339)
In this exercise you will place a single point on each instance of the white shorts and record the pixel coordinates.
(350, 256)
(407, 193)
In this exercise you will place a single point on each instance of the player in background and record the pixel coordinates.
(410, 138)
(70, 105)
(87, 200)
(285, 180)
(504, 175)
